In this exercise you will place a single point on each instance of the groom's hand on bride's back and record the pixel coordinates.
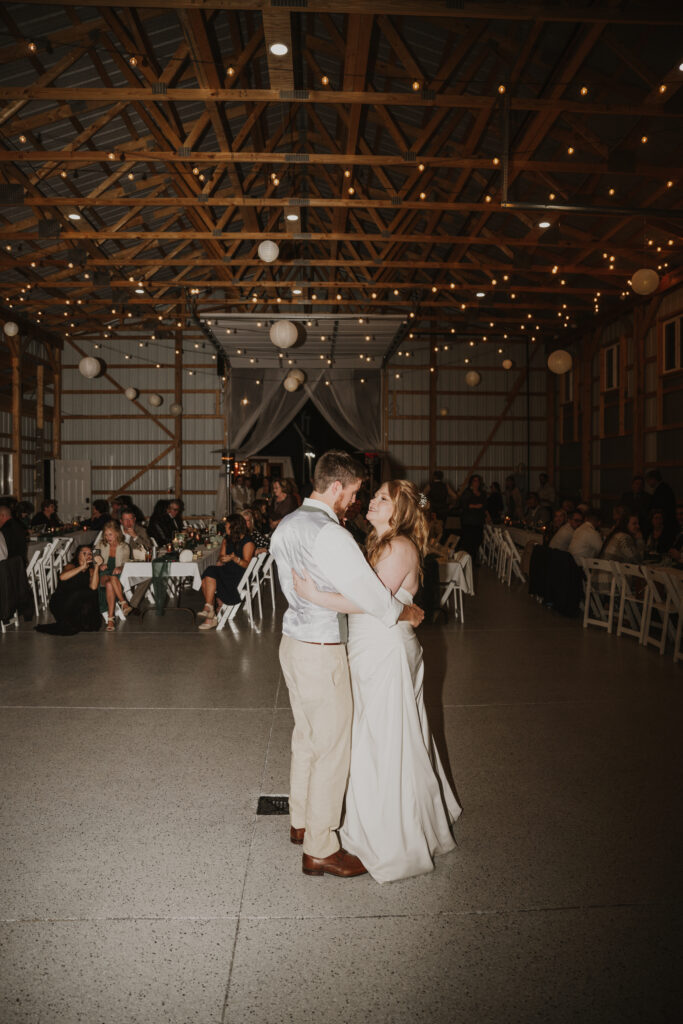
(413, 614)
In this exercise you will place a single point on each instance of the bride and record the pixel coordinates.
(399, 806)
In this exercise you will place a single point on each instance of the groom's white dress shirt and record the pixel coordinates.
(311, 539)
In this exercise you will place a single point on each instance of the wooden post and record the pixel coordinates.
(15, 357)
(638, 392)
(433, 388)
(587, 416)
(550, 424)
(38, 475)
(178, 420)
(56, 365)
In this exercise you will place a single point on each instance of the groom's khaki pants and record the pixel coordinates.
(319, 685)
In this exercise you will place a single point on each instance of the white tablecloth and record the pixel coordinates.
(458, 569)
(134, 572)
(522, 537)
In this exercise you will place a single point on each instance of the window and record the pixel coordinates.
(611, 368)
(672, 355)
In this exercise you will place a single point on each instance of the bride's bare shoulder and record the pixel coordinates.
(401, 549)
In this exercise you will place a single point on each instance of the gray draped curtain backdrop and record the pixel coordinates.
(353, 409)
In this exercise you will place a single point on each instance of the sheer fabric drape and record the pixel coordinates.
(349, 400)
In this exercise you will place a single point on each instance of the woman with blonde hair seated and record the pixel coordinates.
(114, 553)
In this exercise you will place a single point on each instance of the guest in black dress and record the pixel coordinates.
(75, 603)
(472, 516)
(221, 580)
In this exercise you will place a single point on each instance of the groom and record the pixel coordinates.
(313, 657)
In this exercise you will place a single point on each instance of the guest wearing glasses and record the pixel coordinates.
(166, 520)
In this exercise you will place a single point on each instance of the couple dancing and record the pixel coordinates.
(375, 746)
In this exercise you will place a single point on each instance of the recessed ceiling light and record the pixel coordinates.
(139, 291)
(279, 49)
(292, 216)
(481, 295)
(296, 291)
(74, 216)
(544, 223)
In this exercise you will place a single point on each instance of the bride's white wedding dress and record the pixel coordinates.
(399, 805)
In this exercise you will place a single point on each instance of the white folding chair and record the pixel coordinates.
(661, 601)
(632, 590)
(601, 582)
(227, 612)
(511, 560)
(267, 575)
(47, 567)
(61, 554)
(32, 575)
(677, 584)
(255, 581)
(453, 590)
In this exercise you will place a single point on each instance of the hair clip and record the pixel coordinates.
(422, 500)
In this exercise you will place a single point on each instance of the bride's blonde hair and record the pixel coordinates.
(407, 520)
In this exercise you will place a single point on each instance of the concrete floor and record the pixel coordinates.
(139, 887)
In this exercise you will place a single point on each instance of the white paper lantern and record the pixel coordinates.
(131, 394)
(89, 367)
(155, 400)
(645, 281)
(507, 364)
(283, 334)
(297, 375)
(176, 409)
(560, 361)
(290, 384)
(472, 379)
(268, 251)
(185, 555)
(11, 329)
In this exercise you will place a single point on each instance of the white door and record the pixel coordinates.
(72, 488)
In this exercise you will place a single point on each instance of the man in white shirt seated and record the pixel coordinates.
(587, 540)
(562, 537)
(137, 539)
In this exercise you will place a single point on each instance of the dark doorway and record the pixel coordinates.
(308, 431)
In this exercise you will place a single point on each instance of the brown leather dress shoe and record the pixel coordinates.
(296, 835)
(341, 863)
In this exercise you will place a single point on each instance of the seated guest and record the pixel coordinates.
(283, 501)
(625, 542)
(14, 534)
(587, 539)
(165, 521)
(494, 503)
(546, 491)
(535, 515)
(558, 520)
(221, 580)
(637, 501)
(260, 511)
(139, 544)
(568, 505)
(23, 513)
(562, 537)
(135, 536)
(660, 538)
(512, 496)
(127, 502)
(260, 539)
(99, 514)
(676, 549)
(75, 603)
(294, 489)
(47, 517)
(114, 553)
